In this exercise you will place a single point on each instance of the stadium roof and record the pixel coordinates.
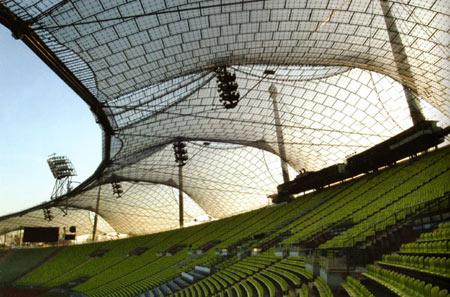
(345, 71)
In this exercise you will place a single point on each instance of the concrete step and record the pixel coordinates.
(165, 289)
(173, 286)
(181, 282)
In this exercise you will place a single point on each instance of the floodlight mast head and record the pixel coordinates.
(60, 166)
(180, 151)
(62, 170)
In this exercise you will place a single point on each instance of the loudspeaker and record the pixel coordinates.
(69, 237)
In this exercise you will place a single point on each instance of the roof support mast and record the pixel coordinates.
(180, 196)
(279, 131)
(181, 157)
(401, 62)
(97, 207)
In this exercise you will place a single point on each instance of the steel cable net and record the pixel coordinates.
(323, 119)
(149, 202)
(224, 179)
(340, 68)
(142, 208)
(83, 219)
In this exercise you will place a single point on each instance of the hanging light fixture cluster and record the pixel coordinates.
(227, 87)
(47, 214)
(117, 189)
(180, 151)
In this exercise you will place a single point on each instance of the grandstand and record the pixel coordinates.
(264, 148)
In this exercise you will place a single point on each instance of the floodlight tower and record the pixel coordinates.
(401, 63)
(62, 170)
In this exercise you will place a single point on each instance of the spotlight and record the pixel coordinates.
(227, 88)
(180, 151)
(47, 214)
(117, 189)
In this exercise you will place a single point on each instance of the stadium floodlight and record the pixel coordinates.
(60, 166)
(180, 152)
(62, 170)
(47, 214)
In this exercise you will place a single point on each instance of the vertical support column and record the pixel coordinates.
(181, 157)
(401, 62)
(180, 196)
(414, 107)
(279, 132)
(97, 207)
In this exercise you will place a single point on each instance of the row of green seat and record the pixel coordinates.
(403, 285)
(117, 262)
(431, 265)
(322, 287)
(324, 198)
(434, 247)
(259, 222)
(87, 266)
(161, 275)
(371, 194)
(303, 292)
(441, 233)
(15, 263)
(323, 216)
(252, 276)
(355, 289)
(282, 215)
(233, 229)
(140, 273)
(112, 270)
(422, 182)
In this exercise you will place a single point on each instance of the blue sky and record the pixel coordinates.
(39, 115)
